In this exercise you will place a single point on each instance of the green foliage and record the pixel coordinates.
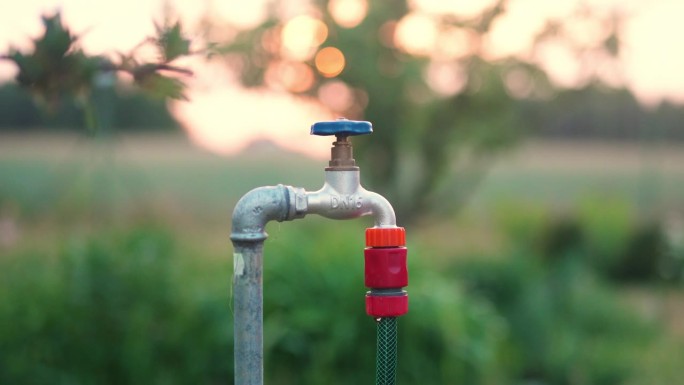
(56, 66)
(564, 327)
(132, 110)
(522, 223)
(127, 308)
(171, 44)
(110, 311)
(171, 41)
(159, 86)
(607, 234)
(57, 69)
(133, 308)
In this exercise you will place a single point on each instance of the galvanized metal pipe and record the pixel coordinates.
(248, 310)
(250, 216)
(341, 197)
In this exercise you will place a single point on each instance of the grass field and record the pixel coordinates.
(565, 172)
(47, 177)
(41, 171)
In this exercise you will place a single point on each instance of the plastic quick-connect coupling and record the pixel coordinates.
(386, 273)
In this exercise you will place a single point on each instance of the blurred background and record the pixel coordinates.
(533, 150)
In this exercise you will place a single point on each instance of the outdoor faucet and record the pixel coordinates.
(341, 197)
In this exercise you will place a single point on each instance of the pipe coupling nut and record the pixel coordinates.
(299, 204)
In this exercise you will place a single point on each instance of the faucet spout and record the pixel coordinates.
(381, 210)
(343, 197)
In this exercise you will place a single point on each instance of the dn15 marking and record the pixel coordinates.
(346, 202)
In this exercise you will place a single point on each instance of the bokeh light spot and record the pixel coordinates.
(386, 33)
(330, 62)
(446, 78)
(301, 36)
(518, 83)
(454, 43)
(465, 9)
(416, 34)
(336, 95)
(271, 40)
(348, 13)
(292, 76)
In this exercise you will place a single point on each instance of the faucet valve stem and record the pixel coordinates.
(341, 154)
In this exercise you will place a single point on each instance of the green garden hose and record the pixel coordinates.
(386, 275)
(386, 369)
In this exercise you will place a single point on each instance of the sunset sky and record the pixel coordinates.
(651, 62)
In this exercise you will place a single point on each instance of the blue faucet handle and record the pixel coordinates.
(342, 127)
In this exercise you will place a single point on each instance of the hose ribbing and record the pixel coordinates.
(386, 369)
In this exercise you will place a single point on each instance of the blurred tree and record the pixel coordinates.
(440, 103)
(60, 75)
(57, 69)
(427, 80)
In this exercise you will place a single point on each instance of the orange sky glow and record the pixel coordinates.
(223, 117)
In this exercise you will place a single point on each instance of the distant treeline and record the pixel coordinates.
(127, 110)
(600, 113)
(587, 113)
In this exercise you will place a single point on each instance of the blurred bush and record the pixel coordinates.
(607, 234)
(133, 308)
(564, 326)
(110, 310)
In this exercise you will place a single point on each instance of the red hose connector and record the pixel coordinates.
(385, 237)
(386, 273)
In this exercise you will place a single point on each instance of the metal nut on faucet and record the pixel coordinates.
(300, 202)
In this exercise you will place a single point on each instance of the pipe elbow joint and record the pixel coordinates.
(258, 207)
(342, 197)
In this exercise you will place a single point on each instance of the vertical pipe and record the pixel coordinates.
(248, 308)
(252, 212)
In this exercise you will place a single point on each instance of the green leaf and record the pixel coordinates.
(161, 86)
(29, 68)
(171, 42)
(56, 41)
(56, 66)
